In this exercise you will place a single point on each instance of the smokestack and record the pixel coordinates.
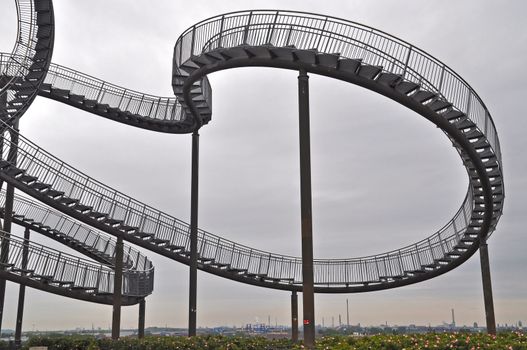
(347, 313)
(453, 319)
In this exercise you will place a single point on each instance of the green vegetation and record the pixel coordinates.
(443, 341)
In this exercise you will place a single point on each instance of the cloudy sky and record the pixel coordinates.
(383, 177)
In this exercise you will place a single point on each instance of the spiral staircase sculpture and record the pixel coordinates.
(322, 45)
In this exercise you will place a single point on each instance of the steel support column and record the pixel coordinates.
(487, 287)
(141, 325)
(117, 289)
(193, 277)
(308, 294)
(8, 219)
(22, 292)
(294, 316)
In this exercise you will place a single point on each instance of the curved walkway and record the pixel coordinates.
(321, 45)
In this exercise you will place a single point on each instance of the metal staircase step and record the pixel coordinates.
(213, 55)
(236, 270)
(85, 289)
(68, 201)
(349, 65)
(305, 56)
(189, 67)
(90, 103)
(60, 92)
(464, 123)
(25, 271)
(453, 114)
(406, 87)
(160, 241)
(44, 18)
(282, 53)
(82, 208)
(388, 79)
(41, 54)
(423, 96)
(128, 229)
(76, 98)
(112, 222)
(255, 275)
(102, 107)
(54, 193)
(174, 247)
(203, 60)
(43, 278)
(65, 283)
(259, 52)
(143, 235)
(46, 87)
(98, 215)
(327, 60)
(369, 72)
(473, 133)
(39, 186)
(14, 172)
(438, 105)
(219, 264)
(43, 32)
(27, 179)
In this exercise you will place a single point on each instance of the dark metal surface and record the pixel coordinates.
(141, 323)
(367, 57)
(294, 316)
(22, 291)
(487, 287)
(8, 219)
(308, 293)
(117, 286)
(193, 277)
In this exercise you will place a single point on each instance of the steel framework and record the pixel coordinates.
(306, 42)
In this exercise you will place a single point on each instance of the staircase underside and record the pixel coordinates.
(64, 188)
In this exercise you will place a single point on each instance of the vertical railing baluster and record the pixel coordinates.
(322, 31)
(407, 61)
(192, 41)
(220, 40)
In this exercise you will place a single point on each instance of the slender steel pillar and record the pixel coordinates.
(308, 295)
(21, 292)
(193, 278)
(141, 326)
(294, 316)
(487, 287)
(117, 289)
(8, 212)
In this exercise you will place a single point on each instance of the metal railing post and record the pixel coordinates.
(22, 291)
(246, 31)
(117, 289)
(220, 40)
(407, 61)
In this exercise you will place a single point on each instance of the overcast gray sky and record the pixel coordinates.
(383, 177)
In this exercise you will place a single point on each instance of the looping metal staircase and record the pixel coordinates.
(48, 222)
(50, 270)
(321, 45)
(25, 69)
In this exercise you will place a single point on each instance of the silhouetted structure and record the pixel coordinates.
(304, 42)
